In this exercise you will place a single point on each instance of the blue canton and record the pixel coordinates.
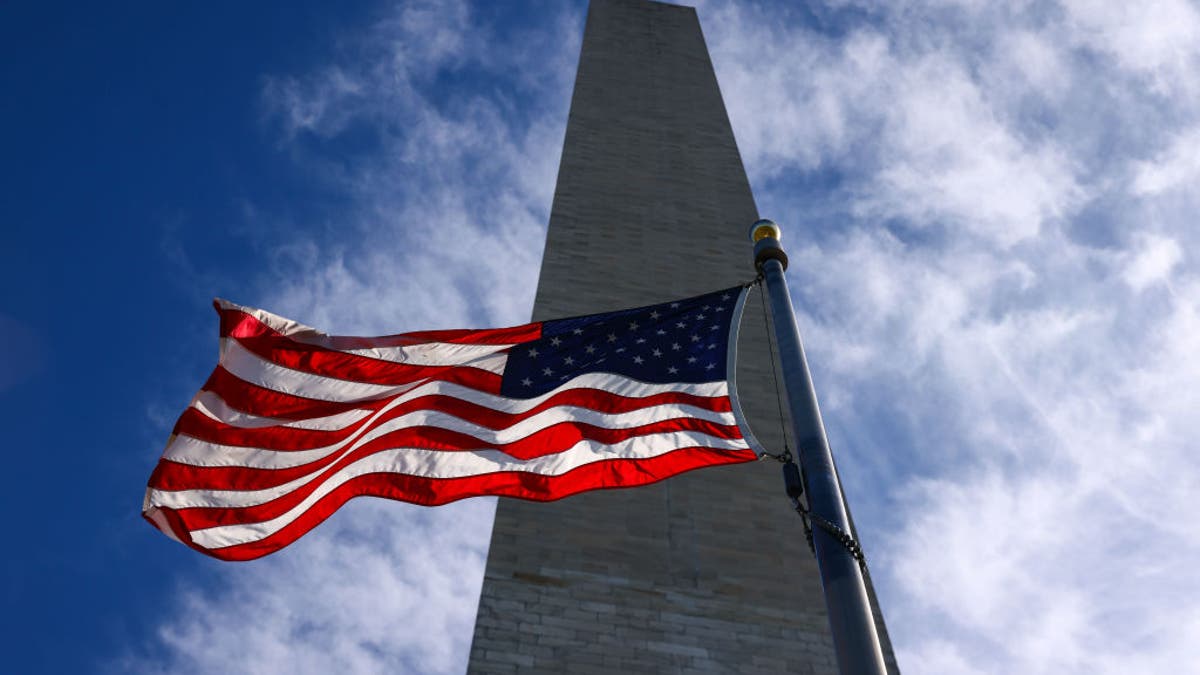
(681, 341)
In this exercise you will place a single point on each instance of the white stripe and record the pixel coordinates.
(160, 521)
(436, 464)
(613, 384)
(252, 368)
(493, 364)
(430, 353)
(215, 407)
(187, 450)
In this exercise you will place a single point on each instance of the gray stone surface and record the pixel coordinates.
(706, 572)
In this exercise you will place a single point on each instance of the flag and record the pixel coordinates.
(292, 423)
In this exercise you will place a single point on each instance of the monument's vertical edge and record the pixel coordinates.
(703, 572)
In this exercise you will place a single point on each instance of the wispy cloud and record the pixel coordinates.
(439, 222)
(379, 588)
(444, 211)
(999, 300)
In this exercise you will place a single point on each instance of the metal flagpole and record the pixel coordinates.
(850, 619)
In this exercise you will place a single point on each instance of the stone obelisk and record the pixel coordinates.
(708, 571)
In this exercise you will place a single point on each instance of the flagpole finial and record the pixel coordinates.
(761, 229)
(765, 234)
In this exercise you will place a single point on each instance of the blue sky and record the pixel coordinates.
(990, 209)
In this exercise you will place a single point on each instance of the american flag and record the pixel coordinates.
(293, 422)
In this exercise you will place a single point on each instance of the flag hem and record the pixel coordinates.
(735, 402)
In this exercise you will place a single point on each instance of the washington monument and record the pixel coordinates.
(704, 572)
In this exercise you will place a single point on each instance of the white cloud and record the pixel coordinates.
(1177, 167)
(948, 158)
(380, 587)
(1034, 62)
(999, 319)
(1159, 39)
(912, 126)
(794, 104)
(1152, 261)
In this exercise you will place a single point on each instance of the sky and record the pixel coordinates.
(989, 209)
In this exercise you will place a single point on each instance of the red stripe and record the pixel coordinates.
(433, 492)
(169, 475)
(338, 365)
(494, 336)
(200, 426)
(236, 323)
(270, 345)
(255, 400)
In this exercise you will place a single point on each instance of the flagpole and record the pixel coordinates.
(850, 618)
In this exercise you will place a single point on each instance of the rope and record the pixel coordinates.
(774, 370)
(808, 531)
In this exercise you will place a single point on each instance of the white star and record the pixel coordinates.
(655, 314)
(578, 331)
(713, 327)
(720, 309)
(674, 305)
(591, 349)
(710, 366)
(675, 346)
(555, 342)
(713, 346)
(620, 349)
(725, 297)
(672, 370)
(661, 331)
(705, 308)
(640, 340)
(612, 337)
(695, 338)
(700, 316)
(547, 371)
(638, 360)
(657, 352)
(569, 361)
(533, 353)
(527, 382)
(691, 359)
(633, 325)
(681, 325)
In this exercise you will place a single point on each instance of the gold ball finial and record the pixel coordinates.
(765, 228)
